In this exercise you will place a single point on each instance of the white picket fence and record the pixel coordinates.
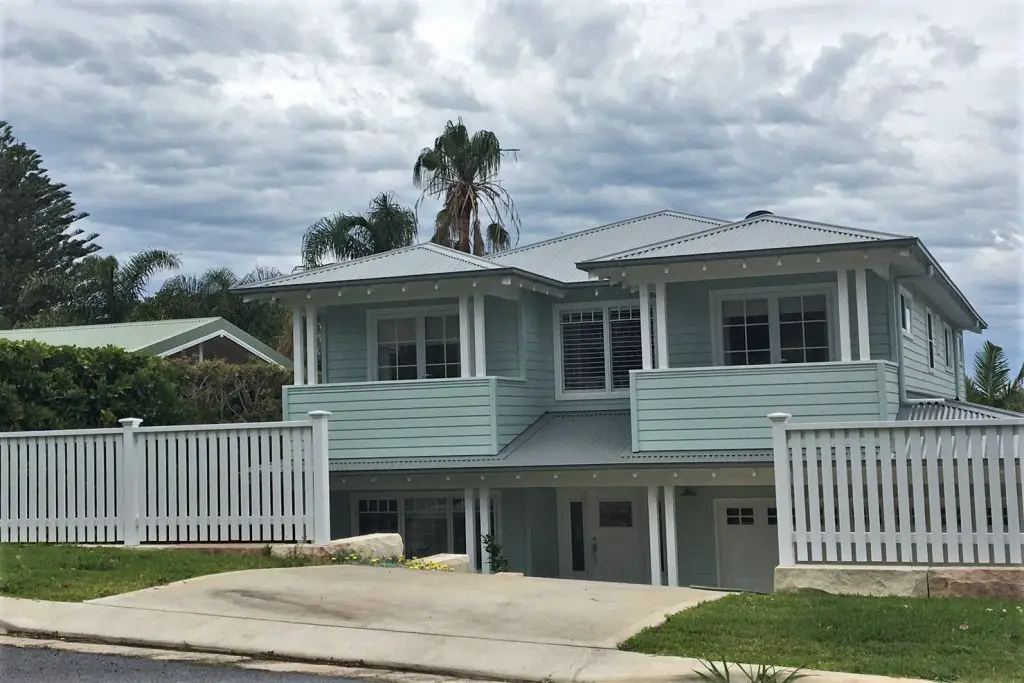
(924, 493)
(262, 482)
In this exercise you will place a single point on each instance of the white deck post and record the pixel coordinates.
(861, 295)
(485, 529)
(130, 484)
(783, 496)
(671, 545)
(654, 531)
(661, 324)
(321, 478)
(298, 352)
(311, 347)
(465, 357)
(472, 540)
(843, 305)
(645, 327)
(478, 335)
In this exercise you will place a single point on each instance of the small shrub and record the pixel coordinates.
(496, 557)
(762, 673)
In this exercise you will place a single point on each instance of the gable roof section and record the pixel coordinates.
(156, 337)
(766, 232)
(423, 259)
(561, 440)
(556, 258)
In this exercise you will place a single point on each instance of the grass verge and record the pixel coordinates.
(964, 639)
(72, 573)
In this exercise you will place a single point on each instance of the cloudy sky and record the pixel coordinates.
(221, 129)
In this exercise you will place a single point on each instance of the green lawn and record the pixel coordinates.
(936, 639)
(71, 573)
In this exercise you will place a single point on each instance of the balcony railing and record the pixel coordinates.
(724, 408)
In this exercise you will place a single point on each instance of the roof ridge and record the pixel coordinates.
(598, 228)
(457, 254)
(204, 319)
(672, 240)
(332, 266)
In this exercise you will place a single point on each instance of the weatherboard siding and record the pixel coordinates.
(403, 419)
(501, 336)
(922, 379)
(726, 407)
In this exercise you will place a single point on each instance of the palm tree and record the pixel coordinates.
(991, 384)
(99, 289)
(386, 225)
(209, 294)
(461, 171)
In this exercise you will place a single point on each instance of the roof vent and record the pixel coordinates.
(755, 214)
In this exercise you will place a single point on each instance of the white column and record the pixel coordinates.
(645, 327)
(478, 336)
(311, 347)
(201, 352)
(861, 294)
(671, 548)
(661, 324)
(472, 540)
(321, 478)
(485, 528)
(298, 357)
(465, 357)
(131, 483)
(783, 496)
(843, 306)
(654, 531)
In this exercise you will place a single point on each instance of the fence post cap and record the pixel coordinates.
(319, 414)
(779, 417)
(130, 421)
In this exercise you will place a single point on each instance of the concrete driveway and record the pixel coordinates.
(509, 608)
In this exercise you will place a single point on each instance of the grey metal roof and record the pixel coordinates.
(760, 233)
(418, 259)
(560, 440)
(947, 409)
(556, 258)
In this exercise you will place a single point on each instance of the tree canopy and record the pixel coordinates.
(38, 237)
(992, 384)
(386, 225)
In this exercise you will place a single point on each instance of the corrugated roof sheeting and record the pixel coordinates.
(130, 336)
(419, 259)
(763, 232)
(556, 258)
(952, 410)
(557, 440)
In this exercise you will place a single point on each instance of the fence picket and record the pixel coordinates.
(264, 482)
(951, 529)
(224, 500)
(307, 485)
(977, 467)
(963, 495)
(857, 499)
(62, 494)
(799, 497)
(919, 512)
(934, 525)
(844, 528)
(1013, 478)
(814, 496)
(995, 498)
(244, 483)
(828, 500)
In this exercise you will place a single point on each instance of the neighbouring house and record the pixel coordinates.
(194, 339)
(599, 399)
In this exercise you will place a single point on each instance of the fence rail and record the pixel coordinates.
(935, 493)
(191, 484)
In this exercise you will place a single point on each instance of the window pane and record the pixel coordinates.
(791, 335)
(435, 352)
(735, 338)
(426, 526)
(386, 374)
(626, 348)
(736, 358)
(793, 356)
(789, 308)
(757, 311)
(406, 354)
(433, 327)
(817, 355)
(759, 358)
(814, 307)
(378, 516)
(583, 350)
(386, 330)
(405, 329)
(406, 372)
(732, 312)
(758, 337)
(816, 334)
(576, 540)
(615, 513)
(435, 371)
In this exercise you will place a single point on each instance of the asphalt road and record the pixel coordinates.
(37, 665)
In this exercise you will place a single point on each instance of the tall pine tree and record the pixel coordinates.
(37, 234)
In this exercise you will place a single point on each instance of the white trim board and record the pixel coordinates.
(213, 335)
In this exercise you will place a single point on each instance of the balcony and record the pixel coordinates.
(716, 408)
(468, 416)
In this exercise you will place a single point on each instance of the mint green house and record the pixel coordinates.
(599, 400)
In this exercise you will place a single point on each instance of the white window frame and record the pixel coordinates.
(418, 313)
(558, 309)
(948, 349)
(931, 345)
(908, 298)
(772, 293)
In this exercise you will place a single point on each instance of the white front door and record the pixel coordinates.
(747, 539)
(616, 525)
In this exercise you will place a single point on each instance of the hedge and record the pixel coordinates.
(65, 387)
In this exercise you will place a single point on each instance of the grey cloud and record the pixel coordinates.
(833, 65)
(449, 93)
(955, 50)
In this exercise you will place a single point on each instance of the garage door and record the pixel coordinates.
(747, 540)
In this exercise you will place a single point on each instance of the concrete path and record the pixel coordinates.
(507, 608)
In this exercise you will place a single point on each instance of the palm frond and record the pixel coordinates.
(132, 277)
(334, 236)
(991, 373)
(259, 274)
